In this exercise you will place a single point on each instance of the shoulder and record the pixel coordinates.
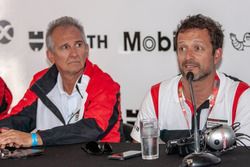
(2, 85)
(39, 74)
(99, 79)
(171, 82)
(232, 87)
(231, 82)
(168, 86)
(164, 88)
(46, 75)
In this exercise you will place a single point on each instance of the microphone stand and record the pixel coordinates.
(197, 158)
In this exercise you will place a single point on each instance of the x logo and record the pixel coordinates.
(6, 32)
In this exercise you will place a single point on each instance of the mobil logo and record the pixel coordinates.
(135, 41)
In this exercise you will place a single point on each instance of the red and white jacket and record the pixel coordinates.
(162, 102)
(101, 117)
(5, 98)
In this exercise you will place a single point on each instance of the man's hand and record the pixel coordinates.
(15, 138)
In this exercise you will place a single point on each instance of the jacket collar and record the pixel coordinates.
(49, 79)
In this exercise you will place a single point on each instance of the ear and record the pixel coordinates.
(50, 56)
(218, 56)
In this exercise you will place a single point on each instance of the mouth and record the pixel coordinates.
(190, 67)
(73, 62)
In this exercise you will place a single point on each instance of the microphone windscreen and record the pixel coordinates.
(190, 76)
(220, 137)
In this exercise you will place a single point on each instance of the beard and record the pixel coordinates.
(201, 74)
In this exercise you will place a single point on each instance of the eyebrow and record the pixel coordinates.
(194, 41)
(79, 41)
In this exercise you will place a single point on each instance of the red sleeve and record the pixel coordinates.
(29, 97)
(5, 96)
(155, 97)
(101, 101)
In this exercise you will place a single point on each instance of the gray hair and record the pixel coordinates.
(62, 21)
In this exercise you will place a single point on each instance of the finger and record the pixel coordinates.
(7, 141)
(2, 146)
(17, 146)
(4, 129)
(4, 136)
(10, 145)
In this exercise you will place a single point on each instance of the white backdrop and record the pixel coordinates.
(116, 22)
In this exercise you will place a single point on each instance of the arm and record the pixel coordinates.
(243, 116)
(101, 112)
(15, 138)
(15, 128)
(20, 120)
(24, 120)
(147, 111)
(81, 131)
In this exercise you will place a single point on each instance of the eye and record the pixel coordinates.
(182, 49)
(198, 48)
(65, 47)
(79, 44)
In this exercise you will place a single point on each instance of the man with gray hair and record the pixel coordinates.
(72, 101)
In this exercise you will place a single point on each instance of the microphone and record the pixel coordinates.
(190, 77)
(197, 158)
(220, 137)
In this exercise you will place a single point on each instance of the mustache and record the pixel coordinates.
(190, 62)
(75, 59)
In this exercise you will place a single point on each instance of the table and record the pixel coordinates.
(74, 156)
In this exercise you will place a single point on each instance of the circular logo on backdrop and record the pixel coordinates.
(6, 32)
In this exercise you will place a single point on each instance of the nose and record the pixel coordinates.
(189, 54)
(73, 51)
